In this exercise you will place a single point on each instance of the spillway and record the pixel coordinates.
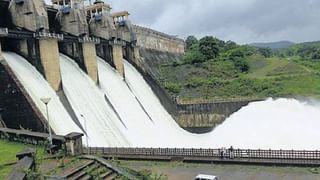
(126, 113)
(164, 124)
(37, 87)
(143, 129)
(104, 128)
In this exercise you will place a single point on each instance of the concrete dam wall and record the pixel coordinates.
(152, 39)
(17, 109)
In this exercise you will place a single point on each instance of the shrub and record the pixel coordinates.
(173, 87)
(241, 64)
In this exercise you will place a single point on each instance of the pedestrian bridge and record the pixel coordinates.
(238, 156)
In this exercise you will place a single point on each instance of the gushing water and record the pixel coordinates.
(171, 133)
(37, 87)
(275, 124)
(144, 129)
(103, 126)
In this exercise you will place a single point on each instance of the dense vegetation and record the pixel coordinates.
(215, 69)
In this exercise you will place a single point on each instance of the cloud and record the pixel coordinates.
(243, 21)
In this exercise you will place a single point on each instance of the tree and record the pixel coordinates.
(191, 40)
(236, 53)
(266, 52)
(315, 55)
(241, 64)
(230, 45)
(208, 46)
(194, 56)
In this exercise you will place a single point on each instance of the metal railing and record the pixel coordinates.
(209, 153)
(87, 39)
(39, 35)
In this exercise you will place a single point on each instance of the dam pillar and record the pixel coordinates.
(3, 33)
(133, 53)
(89, 56)
(117, 55)
(49, 57)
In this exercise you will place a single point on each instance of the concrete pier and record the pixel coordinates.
(117, 56)
(50, 62)
(133, 54)
(90, 60)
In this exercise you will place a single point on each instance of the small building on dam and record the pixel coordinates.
(38, 42)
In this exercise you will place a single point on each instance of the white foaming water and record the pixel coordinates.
(166, 127)
(37, 87)
(127, 107)
(275, 124)
(103, 127)
(142, 130)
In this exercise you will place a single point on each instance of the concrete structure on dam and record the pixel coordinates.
(151, 39)
(72, 18)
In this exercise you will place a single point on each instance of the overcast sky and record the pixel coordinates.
(243, 21)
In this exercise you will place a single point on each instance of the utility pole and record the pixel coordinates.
(46, 102)
(85, 128)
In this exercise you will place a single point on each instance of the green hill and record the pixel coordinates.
(273, 45)
(213, 69)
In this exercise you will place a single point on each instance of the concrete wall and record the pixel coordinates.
(31, 15)
(200, 120)
(74, 23)
(49, 54)
(16, 107)
(23, 47)
(151, 39)
(118, 58)
(0, 52)
(90, 60)
(204, 117)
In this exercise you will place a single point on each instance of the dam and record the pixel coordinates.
(90, 62)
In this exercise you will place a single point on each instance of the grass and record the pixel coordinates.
(8, 151)
(307, 85)
(265, 67)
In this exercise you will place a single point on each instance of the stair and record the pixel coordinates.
(78, 172)
(95, 168)
(86, 177)
(111, 176)
(106, 174)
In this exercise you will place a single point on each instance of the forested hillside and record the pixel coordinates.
(212, 69)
